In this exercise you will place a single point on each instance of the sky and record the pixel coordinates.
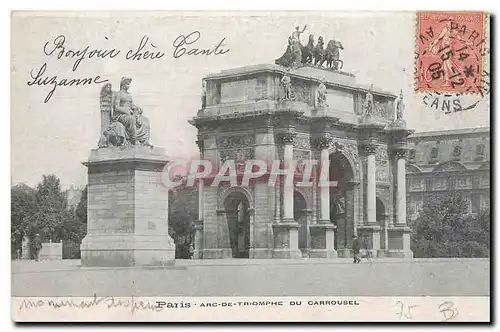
(55, 137)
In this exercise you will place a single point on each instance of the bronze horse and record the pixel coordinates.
(307, 51)
(332, 55)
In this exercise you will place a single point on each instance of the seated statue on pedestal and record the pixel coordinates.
(122, 122)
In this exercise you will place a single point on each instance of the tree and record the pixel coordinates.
(182, 213)
(45, 211)
(81, 209)
(23, 208)
(445, 229)
(52, 205)
(75, 228)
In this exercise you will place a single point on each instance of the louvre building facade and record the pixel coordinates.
(451, 160)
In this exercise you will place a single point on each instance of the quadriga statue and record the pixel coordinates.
(122, 122)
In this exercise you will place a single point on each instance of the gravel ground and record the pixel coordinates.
(431, 277)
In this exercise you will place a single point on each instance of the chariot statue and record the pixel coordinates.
(122, 122)
(296, 54)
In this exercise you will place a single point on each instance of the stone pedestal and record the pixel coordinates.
(225, 253)
(198, 240)
(127, 209)
(286, 240)
(344, 253)
(322, 241)
(369, 237)
(399, 242)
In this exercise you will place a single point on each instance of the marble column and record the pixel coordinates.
(198, 235)
(369, 232)
(324, 190)
(323, 233)
(371, 188)
(286, 232)
(399, 235)
(288, 189)
(401, 187)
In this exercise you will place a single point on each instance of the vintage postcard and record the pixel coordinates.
(250, 166)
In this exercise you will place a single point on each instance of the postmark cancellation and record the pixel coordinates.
(450, 51)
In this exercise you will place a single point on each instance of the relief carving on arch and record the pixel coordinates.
(240, 156)
(351, 151)
(302, 92)
(235, 141)
(225, 189)
(382, 164)
(302, 142)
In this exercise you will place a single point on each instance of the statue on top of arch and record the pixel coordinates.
(122, 121)
(297, 55)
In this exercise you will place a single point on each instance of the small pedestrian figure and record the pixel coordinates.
(36, 246)
(355, 249)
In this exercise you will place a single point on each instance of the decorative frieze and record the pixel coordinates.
(402, 153)
(240, 156)
(235, 141)
(382, 163)
(351, 151)
(302, 142)
(302, 92)
(370, 148)
(286, 138)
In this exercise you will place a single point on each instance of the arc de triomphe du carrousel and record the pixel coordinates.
(303, 107)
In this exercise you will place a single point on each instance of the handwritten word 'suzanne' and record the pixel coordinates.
(59, 48)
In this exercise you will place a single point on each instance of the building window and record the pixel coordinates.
(462, 182)
(485, 180)
(417, 184)
(475, 182)
(485, 202)
(457, 152)
(440, 183)
(434, 155)
(479, 152)
(475, 203)
(428, 184)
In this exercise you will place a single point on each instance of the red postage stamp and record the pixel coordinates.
(450, 47)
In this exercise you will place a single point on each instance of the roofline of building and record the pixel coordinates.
(478, 130)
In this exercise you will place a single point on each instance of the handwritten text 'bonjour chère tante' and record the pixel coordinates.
(188, 45)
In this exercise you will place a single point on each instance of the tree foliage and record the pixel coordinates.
(44, 210)
(23, 208)
(182, 214)
(444, 228)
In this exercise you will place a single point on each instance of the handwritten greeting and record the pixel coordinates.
(183, 46)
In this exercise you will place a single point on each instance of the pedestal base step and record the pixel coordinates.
(128, 250)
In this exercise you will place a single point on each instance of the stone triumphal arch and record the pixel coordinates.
(270, 112)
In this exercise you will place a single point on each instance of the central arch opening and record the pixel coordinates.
(238, 219)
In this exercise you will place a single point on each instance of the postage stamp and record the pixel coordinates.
(249, 166)
(450, 50)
